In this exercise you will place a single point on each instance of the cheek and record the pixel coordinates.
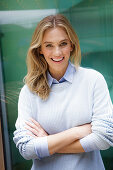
(67, 51)
(47, 55)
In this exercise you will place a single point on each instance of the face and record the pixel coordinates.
(56, 48)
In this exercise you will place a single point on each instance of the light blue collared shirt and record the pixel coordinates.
(68, 76)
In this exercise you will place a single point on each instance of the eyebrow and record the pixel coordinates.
(52, 42)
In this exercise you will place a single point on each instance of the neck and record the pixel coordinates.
(57, 74)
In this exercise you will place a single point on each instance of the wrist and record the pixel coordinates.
(77, 133)
(74, 133)
(82, 131)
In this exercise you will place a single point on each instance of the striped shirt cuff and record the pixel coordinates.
(41, 147)
(88, 143)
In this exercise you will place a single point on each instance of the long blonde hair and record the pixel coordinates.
(36, 78)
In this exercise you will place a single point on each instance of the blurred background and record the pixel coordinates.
(93, 23)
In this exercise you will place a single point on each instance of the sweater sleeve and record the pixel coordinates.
(29, 147)
(101, 137)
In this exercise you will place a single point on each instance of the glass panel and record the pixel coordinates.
(93, 22)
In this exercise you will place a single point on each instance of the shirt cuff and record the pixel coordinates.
(41, 147)
(88, 143)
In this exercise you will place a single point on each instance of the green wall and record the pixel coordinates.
(93, 22)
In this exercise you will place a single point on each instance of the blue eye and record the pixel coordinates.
(49, 45)
(63, 44)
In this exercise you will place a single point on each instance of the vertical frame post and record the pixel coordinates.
(3, 118)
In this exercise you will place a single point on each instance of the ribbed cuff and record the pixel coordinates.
(41, 147)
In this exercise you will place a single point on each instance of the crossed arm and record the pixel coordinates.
(67, 141)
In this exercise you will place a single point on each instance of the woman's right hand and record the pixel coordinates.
(35, 128)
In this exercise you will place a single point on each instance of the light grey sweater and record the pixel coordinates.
(84, 100)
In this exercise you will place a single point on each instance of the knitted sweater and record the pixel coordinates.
(84, 100)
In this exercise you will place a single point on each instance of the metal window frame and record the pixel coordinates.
(3, 117)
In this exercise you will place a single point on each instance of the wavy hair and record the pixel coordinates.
(36, 78)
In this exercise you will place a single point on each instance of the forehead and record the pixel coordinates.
(55, 34)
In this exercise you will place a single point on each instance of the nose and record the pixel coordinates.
(57, 51)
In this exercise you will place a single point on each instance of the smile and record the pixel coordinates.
(57, 59)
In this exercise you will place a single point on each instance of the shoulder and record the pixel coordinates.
(89, 77)
(89, 73)
(25, 91)
(27, 97)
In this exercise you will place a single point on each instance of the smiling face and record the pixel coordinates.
(56, 48)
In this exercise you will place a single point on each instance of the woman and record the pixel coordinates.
(64, 111)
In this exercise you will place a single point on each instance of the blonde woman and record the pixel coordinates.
(64, 111)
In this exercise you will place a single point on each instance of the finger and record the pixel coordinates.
(32, 125)
(32, 130)
(34, 133)
(35, 122)
(37, 125)
(36, 130)
(30, 134)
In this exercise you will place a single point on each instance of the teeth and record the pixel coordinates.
(57, 59)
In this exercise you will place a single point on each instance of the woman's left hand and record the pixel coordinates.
(35, 128)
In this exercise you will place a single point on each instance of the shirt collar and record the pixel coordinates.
(68, 76)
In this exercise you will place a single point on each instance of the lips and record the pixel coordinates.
(57, 59)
